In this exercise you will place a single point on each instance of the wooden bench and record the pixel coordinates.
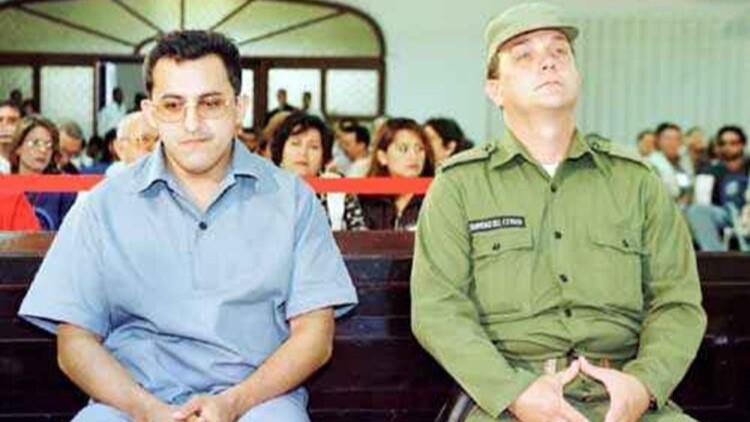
(378, 372)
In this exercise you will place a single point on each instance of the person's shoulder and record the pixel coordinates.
(619, 153)
(476, 156)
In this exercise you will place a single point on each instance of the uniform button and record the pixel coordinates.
(558, 235)
(496, 247)
(563, 278)
(553, 188)
(625, 243)
(202, 225)
(568, 313)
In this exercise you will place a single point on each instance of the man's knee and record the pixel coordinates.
(98, 412)
(282, 409)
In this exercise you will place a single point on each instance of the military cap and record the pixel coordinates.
(524, 18)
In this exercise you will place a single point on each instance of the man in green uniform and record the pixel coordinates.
(553, 278)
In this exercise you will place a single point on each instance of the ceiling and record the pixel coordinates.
(262, 28)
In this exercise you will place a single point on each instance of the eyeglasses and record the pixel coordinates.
(39, 143)
(173, 110)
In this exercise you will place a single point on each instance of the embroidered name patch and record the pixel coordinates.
(502, 222)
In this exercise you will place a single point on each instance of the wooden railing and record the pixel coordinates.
(378, 372)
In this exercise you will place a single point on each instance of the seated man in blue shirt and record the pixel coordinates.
(200, 283)
(728, 179)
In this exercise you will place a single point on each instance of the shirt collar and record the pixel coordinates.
(243, 164)
(509, 147)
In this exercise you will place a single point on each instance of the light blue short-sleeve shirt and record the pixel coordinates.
(191, 302)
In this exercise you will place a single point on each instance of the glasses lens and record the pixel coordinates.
(212, 107)
(207, 108)
(40, 143)
(170, 110)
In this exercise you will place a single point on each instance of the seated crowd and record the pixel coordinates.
(293, 139)
(709, 180)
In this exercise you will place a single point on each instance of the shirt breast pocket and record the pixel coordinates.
(503, 262)
(616, 256)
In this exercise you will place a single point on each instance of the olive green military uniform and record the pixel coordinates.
(513, 267)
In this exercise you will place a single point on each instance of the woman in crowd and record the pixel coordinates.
(303, 145)
(402, 150)
(34, 146)
(446, 138)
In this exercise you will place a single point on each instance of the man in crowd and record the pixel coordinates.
(541, 281)
(72, 158)
(696, 148)
(307, 102)
(135, 139)
(646, 143)
(202, 283)
(16, 98)
(354, 141)
(729, 190)
(10, 120)
(673, 167)
(308, 107)
(281, 98)
(111, 114)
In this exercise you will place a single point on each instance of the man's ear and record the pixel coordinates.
(148, 112)
(494, 91)
(451, 147)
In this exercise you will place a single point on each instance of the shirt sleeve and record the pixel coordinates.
(69, 284)
(319, 278)
(445, 319)
(675, 321)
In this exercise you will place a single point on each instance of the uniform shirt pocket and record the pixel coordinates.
(503, 261)
(616, 255)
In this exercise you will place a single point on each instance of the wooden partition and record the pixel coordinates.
(378, 372)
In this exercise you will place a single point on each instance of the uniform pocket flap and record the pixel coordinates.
(624, 240)
(501, 241)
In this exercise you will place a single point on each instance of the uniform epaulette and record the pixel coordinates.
(475, 154)
(608, 147)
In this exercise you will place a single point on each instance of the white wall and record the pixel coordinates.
(642, 61)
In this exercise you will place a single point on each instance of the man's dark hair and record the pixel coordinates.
(666, 126)
(193, 45)
(11, 104)
(731, 128)
(361, 134)
(299, 122)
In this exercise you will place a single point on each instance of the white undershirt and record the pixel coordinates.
(550, 168)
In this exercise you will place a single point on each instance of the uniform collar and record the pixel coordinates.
(154, 168)
(509, 147)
